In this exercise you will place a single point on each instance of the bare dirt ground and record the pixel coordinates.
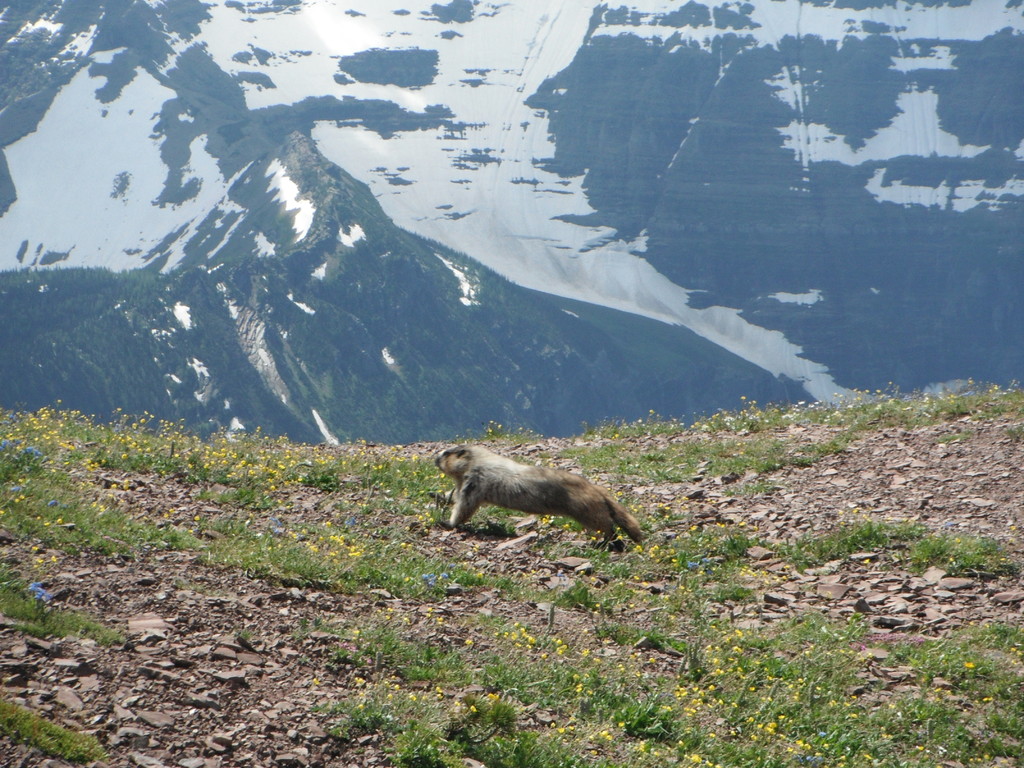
(215, 672)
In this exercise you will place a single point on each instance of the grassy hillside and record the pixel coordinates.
(806, 596)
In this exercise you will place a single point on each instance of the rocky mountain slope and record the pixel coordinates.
(222, 666)
(799, 197)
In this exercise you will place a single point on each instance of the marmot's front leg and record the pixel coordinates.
(467, 502)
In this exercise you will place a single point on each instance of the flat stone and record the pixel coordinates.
(983, 503)
(231, 677)
(293, 759)
(157, 673)
(134, 738)
(219, 743)
(759, 553)
(517, 543)
(933, 575)
(201, 701)
(578, 564)
(74, 666)
(833, 591)
(955, 584)
(145, 761)
(862, 556)
(147, 622)
(69, 699)
(1006, 598)
(156, 719)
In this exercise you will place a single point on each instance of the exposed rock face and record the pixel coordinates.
(857, 187)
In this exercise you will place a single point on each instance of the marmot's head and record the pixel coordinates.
(454, 462)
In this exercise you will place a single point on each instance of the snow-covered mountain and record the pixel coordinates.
(828, 192)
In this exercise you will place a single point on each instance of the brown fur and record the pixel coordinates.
(483, 477)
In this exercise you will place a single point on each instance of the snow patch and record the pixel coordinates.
(774, 19)
(203, 377)
(264, 247)
(183, 314)
(941, 57)
(807, 299)
(349, 237)
(915, 131)
(320, 273)
(287, 193)
(468, 289)
(304, 307)
(968, 194)
(46, 27)
(201, 371)
(103, 215)
(329, 438)
(385, 353)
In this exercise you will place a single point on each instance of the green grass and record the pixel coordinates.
(963, 556)
(906, 543)
(26, 727)
(35, 615)
(857, 537)
(712, 446)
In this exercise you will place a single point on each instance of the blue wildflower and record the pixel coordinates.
(39, 592)
(32, 451)
(430, 579)
(52, 503)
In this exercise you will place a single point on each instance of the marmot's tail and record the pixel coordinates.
(622, 518)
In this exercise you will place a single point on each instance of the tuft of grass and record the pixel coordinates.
(422, 747)
(651, 718)
(26, 727)
(963, 556)
(35, 615)
(849, 539)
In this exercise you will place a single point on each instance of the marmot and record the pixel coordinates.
(484, 477)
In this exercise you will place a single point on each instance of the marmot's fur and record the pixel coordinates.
(484, 477)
